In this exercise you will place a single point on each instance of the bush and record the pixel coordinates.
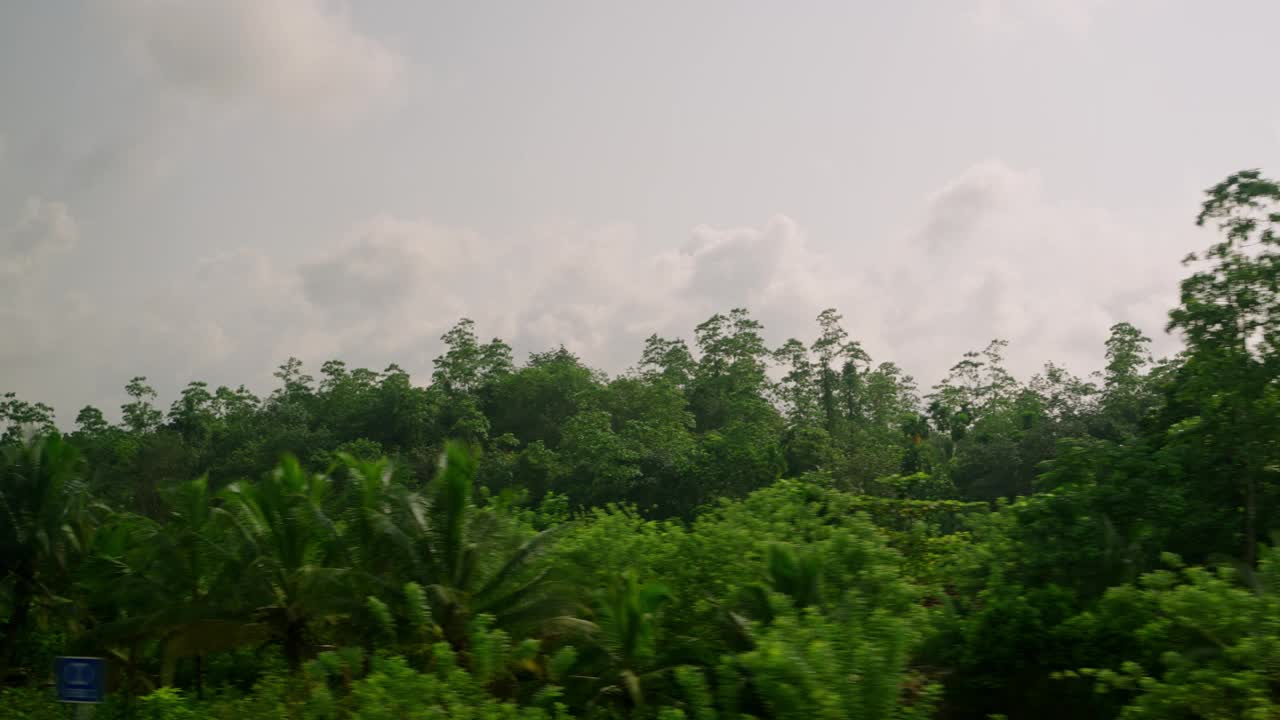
(1216, 635)
(29, 704)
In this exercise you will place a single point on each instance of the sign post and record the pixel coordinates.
(80, 680)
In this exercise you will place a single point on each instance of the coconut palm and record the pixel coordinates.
(470, 563)
(43, 525)
(172, 582)
(294, 567)
(620, 655)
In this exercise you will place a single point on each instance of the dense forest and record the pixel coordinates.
(728, 530)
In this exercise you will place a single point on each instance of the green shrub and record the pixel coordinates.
(1215, 635)
(22, 703)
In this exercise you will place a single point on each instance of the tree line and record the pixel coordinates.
(727, 530)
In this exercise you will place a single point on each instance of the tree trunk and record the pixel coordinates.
(1246, 464)
(293, 645)
(1251, 521)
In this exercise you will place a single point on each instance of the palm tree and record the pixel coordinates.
(470, 564)
(173, 582)
(622, 652)
(369, 504)
(120, 595)
(791, 573)
(43, 524)
(192, 558)
(294, 565)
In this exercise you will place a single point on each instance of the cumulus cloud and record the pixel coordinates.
(986, 191)
(392, 286)
(385, 261)
(398, 284)
(303, 54)
(994, 255)
(236, 313)
(772, 270)
(743, 264)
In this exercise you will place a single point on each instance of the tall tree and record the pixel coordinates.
(193, 414)
(534, 402)
(730, 381)
(140, 414)
(796, 389)
(667, 359)
(19, 416)
(467, 365)
(839, 366)
(1126, 394)
(1229, 317)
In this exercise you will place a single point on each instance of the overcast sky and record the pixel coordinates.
(198, 190)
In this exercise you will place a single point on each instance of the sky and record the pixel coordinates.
(199, 190)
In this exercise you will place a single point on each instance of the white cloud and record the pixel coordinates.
(386, 261)
(229, 321)
(996, 256)
(771, 270)
(990, 189)
(393, 286)
(992, 254)
(299, 54)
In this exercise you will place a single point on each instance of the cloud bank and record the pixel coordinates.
(990, 255)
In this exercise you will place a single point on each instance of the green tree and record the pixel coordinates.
(534, 402)
(838, 370)
(90, 423)
(730, 382)
(295, 570)
(195, 574)
(624, 638)
(468, 366)
(652, 418)
(19, 417)
(1209, 644)
(802, 662)
(598, 465)
(140, 415)
(1229, 317)
(1127, 395)
(470, 561)
(797, 390)
(193, 414)
(669, 360)
(44, 517)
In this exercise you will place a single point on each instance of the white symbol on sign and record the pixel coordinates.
(77, 673)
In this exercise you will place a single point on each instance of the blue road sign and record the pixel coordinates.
(80, 679)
